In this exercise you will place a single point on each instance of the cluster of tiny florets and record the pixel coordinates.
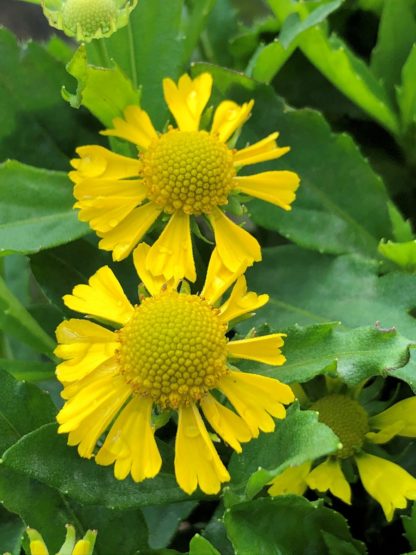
(173, 349)
(347, 418)
(89, 15)
(190, 171)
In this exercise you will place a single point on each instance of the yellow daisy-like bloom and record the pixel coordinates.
(70, 546)
(183, 172)
(170, 352)
(388, 483)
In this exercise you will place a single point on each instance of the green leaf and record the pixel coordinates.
(406, 94)
(343, 68)
(163, 521)
(16, 321)
(37, 127)
(37, 209)
(402, 254)
(23, 408)
(409, 525)
(402, 229)
(198, 13)
(104, 92)
(11, 532)
(285, 525)
(221, 28)
(201, 546)
(299, 438)
(268, 60)
(44, 455)
(396, 35)
(28, 369)
(354, 355)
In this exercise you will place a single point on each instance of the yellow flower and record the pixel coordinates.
(88, 19)
(81, 547)
(170, 352)
(183, 172)
(388, 483)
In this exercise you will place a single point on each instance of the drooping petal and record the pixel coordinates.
(219, 277)
(196, 461)
(277, 187)
(124, 237)
(98, 162)
(262, 349)
(387, 482)
(84, 346)
(240, 302)
(37, 547)
(229, 117)
(131, 443)
(153, 283)
(171, 255)
(398, 419)
(187, 99)
(235, 246)
(329, 476)
(291, 480)
(225, 422)
(136, 127)
(102, 297)
(256, 398)
(261, 151)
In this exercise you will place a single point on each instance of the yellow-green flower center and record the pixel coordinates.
(188, 170)
(89, 16)
(173, 349)
(347, 418)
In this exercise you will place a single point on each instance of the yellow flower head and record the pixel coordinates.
(88, 19)
(70, 546)
(170, 352)
(184, 172)
(388, 483)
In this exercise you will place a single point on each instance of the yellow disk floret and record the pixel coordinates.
(347, 418)
(173, 349)
(188, 170)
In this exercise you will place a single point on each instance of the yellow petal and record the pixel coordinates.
(398, 419)
(84, 346)
(240, 302)
(229, 117)
(82, 547)
(90, 188)
(97, 161)
(291, 480)
(263, 150)
(131, 443)
(262, 349)
(136, 127)
(277, 187)
(329, 476)
(153, 283)
(102, 297)
(255, 398)
(235, 246)
(225, 422)
(171, 255)
(219, 278)
(196, 461)
(188, 99)
(388, 483)
(37, 547)
(124, 237)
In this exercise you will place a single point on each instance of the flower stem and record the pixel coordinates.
(132, 54)
(101, 48)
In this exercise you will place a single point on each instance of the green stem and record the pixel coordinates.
(103, 53)
(132, 54)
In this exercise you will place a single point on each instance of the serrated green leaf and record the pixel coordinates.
(402, 254)
(406, 94)
(37, 127)
(342, 67)
(162, 521)
(401, 228)
(11, 532)
(37, 209)
(396, 35)
(299, 438)
(104, 92)
(285, 525)
(44, 456)
(201, 546)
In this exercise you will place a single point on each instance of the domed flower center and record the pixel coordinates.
(347, 418)
(188, 170)
(173, 349)
(90, 16)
